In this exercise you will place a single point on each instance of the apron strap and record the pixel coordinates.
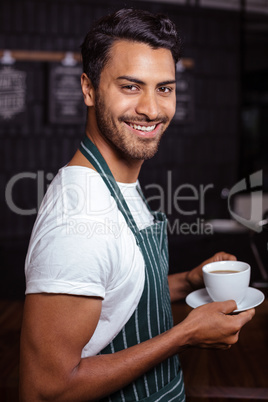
(93, 155)
(144, 199)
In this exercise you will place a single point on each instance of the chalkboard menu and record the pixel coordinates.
(185, 96)
(13, 91)
(66, 104)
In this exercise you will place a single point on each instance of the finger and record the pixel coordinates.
(223, 256)
(245, 316)
(228, 306)
(231, 257)
(222, 346)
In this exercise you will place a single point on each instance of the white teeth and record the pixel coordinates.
(142, 128)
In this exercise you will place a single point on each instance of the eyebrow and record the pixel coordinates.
(137, 81)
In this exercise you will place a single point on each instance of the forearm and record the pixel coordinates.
(126, 366)
(210, 325)
(98, 376)
(92, 378)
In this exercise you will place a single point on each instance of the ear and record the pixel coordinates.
(88, 90)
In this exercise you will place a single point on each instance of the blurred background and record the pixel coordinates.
(211, 169)
(218, 136)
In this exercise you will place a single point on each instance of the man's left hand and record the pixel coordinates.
(195, 276)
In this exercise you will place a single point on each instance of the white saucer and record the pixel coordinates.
(253, 298)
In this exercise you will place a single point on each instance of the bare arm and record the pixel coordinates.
(56, 327)
(182, 283)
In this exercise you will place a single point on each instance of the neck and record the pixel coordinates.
(124, 170)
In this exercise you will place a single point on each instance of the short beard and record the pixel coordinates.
(138, 148)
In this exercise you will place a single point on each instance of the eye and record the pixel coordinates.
(130, 88)
(165, 90)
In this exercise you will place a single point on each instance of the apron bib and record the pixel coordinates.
(153, 314)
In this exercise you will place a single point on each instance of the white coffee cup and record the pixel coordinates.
(225, 280)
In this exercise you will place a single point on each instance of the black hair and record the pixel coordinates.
(156, 30)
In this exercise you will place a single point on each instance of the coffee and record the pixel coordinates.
(223, 272)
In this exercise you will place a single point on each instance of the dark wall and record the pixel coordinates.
(203, 152)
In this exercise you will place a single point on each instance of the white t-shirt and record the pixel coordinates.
(81, 245)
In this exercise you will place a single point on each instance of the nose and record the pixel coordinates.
(148, 105)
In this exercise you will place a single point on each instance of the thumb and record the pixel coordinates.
(228, 306)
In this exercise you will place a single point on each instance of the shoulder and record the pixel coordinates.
(77, 191)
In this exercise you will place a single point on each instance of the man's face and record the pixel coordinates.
(135, 100)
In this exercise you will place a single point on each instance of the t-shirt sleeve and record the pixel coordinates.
(80, 260)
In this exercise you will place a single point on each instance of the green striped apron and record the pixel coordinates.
(153, 314)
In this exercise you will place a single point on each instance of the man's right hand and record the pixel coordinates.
(213, 325)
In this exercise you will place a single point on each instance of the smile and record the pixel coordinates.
(146, 129)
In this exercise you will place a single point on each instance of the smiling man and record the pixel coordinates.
(97, 320)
